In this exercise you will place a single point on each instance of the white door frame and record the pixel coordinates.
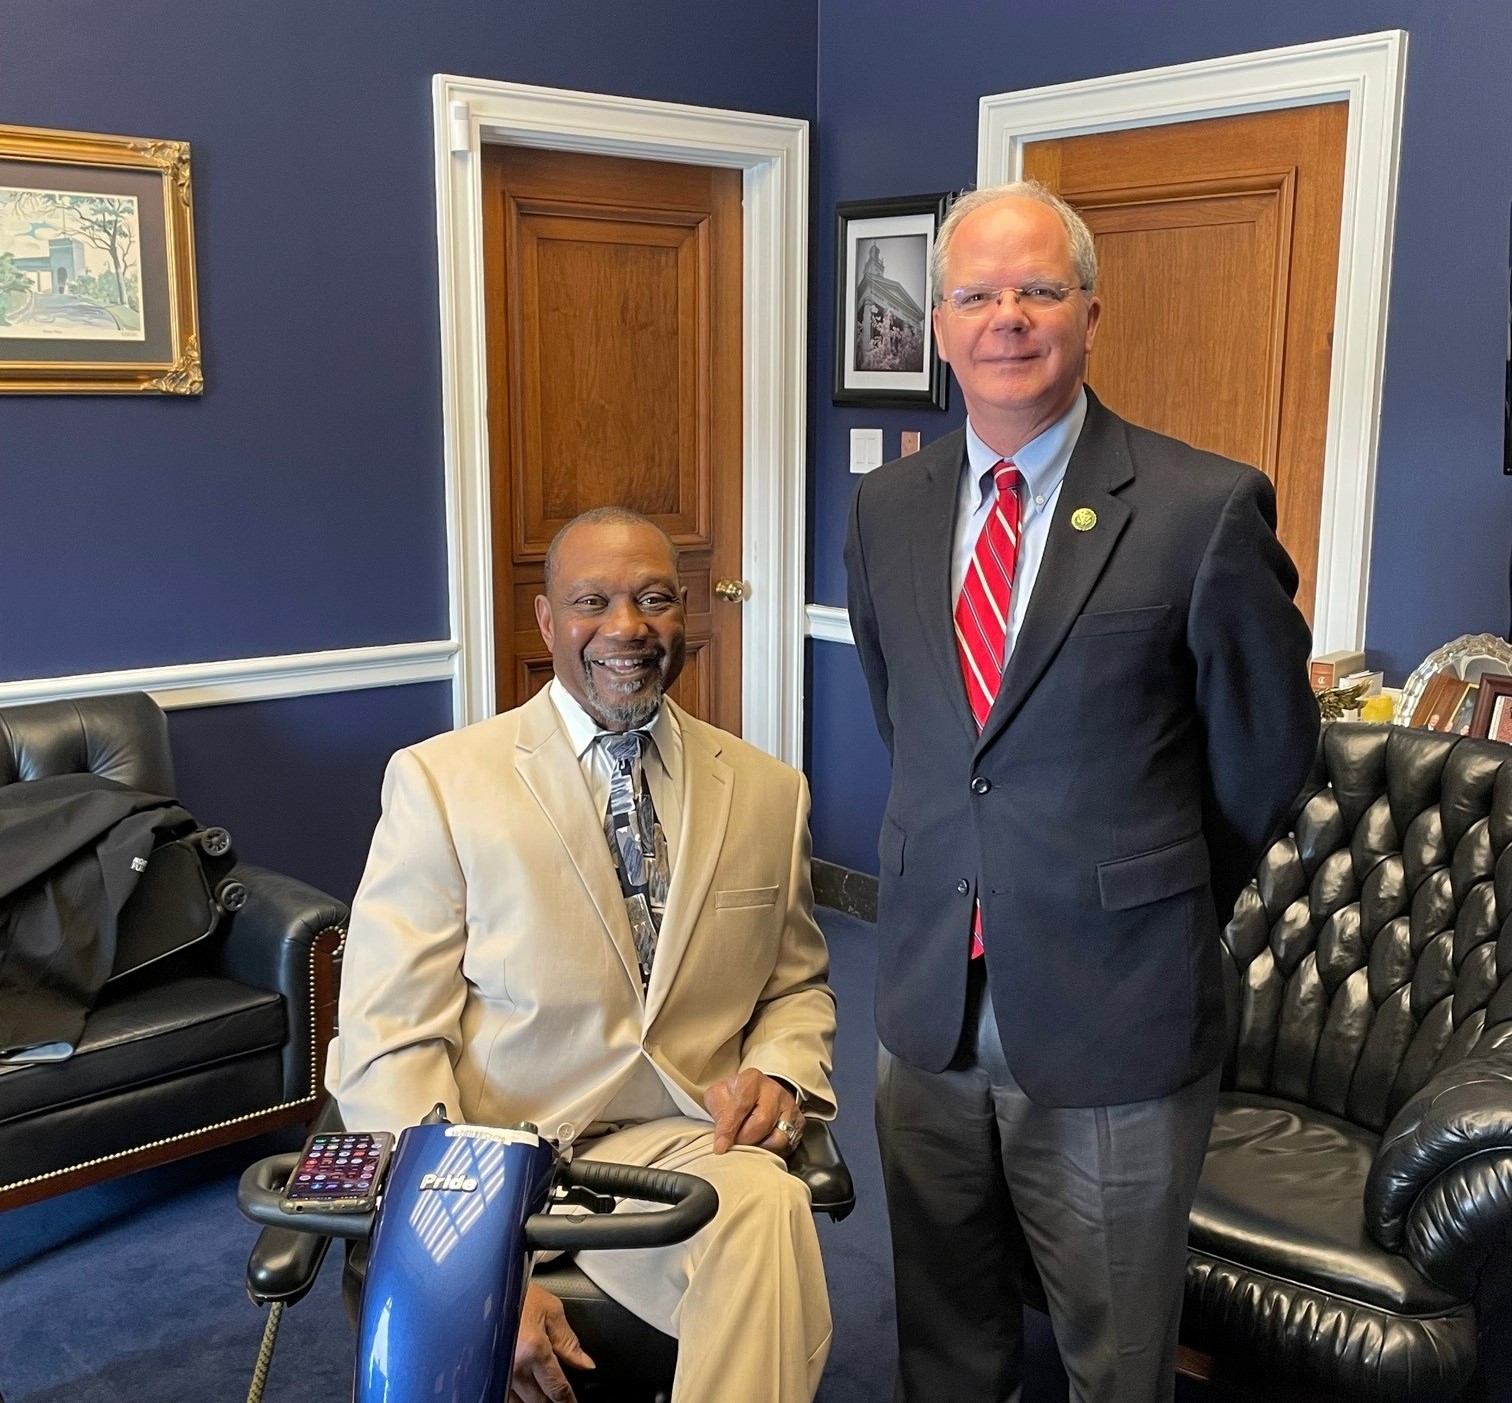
(773, 154)
(1368, 72)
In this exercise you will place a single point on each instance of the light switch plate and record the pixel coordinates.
(908, 442)
(866, 450)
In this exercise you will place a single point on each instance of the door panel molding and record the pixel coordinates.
(1368, 72)
(1205, 207)
(772, 152)
(683, 243)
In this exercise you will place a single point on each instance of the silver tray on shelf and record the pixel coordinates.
(1470, 657)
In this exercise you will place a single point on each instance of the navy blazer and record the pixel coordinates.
(1153, 725)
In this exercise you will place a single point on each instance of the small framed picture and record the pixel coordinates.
(884, 333)
(1460, 725)
(1493, 709)
(97, 288)
(1441, 702)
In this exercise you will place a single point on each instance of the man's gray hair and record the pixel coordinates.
(1083, 253)
(605, 516)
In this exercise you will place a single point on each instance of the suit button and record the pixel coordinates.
(963, 886)
(981, 784)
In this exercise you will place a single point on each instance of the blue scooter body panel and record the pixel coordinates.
(445, 1279)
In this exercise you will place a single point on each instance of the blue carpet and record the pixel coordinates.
(133, 1292)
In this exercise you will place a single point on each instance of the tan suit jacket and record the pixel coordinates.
(490, 965)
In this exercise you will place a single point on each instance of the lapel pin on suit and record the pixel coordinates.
(1083, 519)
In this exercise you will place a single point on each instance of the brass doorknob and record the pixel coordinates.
(732, 591)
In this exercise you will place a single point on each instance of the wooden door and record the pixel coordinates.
(1218, 252)
(613, 298)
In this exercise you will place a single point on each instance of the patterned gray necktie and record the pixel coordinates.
(636, 843)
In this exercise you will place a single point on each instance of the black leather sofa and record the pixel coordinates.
(215, 1045)
(1357, 1194)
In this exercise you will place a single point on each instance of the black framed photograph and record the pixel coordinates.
(885, 351)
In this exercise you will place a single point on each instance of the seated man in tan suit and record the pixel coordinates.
(594, 913)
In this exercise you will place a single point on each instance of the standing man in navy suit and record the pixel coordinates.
(1086, 664)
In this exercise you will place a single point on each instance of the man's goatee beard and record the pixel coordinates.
(632, 713)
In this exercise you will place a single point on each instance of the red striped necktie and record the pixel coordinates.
(982, 612)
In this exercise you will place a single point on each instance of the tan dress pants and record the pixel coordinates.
(745, 1297)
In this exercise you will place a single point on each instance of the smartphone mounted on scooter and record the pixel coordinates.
(339, 1172)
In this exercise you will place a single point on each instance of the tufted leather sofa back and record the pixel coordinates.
(123, 737)
(1363, 957)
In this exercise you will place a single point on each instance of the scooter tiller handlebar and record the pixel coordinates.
(693, 1203)
(259, 1195)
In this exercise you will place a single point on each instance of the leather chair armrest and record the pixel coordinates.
(288, 938)
(268, 942)
(821, 1166)
(283, 1265)
(1440, 1187)
(1462, 1223)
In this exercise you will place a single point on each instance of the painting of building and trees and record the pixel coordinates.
(70, 266)
(889, 294)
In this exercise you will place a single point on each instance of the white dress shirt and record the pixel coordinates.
(1042, 465)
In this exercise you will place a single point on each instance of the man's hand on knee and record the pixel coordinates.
(544, 1343)
(751, 1108)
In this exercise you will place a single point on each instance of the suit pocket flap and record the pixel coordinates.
(1120, 621)
(1146, 877)
(750, 896)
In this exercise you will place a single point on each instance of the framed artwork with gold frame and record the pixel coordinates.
(96, 265)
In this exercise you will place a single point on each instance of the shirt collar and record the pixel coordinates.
(582, 730)
(1041, 462)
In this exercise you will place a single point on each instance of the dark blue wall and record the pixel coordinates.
(297, 781)
(845, 758)
(898, 91)
(298, 505)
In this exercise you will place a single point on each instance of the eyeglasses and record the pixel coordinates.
(974, 301)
